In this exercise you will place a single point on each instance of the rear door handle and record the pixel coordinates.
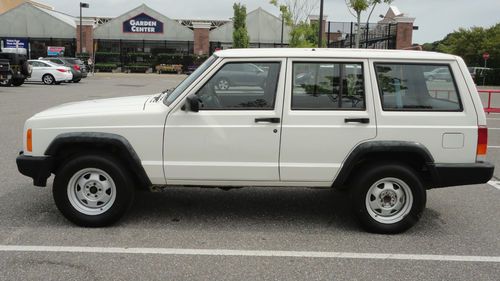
(357, 120)
(267, 120)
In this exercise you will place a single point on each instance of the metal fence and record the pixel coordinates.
(372, 35)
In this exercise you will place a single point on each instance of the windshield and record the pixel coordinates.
(190, 79)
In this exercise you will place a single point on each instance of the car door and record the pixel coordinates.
(36, 74)
(324, 117)
(235, 136)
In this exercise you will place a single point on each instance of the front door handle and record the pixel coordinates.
(357, 120)
(267, 120)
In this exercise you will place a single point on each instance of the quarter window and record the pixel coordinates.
(417, 87)
(328, 86)
(242, 85)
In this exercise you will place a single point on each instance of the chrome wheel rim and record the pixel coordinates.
(223, 84)
(389, 200)
(47, 79)
(91, 191)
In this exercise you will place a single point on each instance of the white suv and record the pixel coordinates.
(370, 121)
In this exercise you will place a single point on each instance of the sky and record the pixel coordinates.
(435, 18)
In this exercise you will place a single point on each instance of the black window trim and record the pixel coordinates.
(280, 65)
(362, 63)
(448, 65)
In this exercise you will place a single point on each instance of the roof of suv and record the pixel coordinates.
(334, 53)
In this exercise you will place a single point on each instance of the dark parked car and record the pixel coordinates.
(19, 67)
(79, 62)
(77, 67)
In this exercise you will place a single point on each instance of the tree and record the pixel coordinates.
(470, 44)
(298, 11)
(358, 7)
(304, 35)
(240, 33)
(295, 13)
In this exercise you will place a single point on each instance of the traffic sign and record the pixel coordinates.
(486, 56)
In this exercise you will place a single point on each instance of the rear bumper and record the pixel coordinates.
(77, 76)
(60, 77)
(37, 168)
(461, 174)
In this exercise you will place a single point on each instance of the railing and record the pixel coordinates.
(490, 108)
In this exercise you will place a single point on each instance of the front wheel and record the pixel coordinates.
(93, 190)
(6, 83)
(17, 82)
(388, 198)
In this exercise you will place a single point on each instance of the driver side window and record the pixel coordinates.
(241, 85)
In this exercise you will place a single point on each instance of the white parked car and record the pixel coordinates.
(368, 121)
(48, 72)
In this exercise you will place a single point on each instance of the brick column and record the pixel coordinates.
(201, 38)
(87, 36)
(404, 35)
(315, 19)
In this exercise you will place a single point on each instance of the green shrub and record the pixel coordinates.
(105, 67)
(137, 68)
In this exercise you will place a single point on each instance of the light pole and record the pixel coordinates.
(320, 37)
(82, 5)
(282, 28)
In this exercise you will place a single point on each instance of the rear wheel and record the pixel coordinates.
(48, 79)
(93, 190)
(388, 198)
(77, 80)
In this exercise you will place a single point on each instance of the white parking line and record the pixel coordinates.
(246, 253)
(493, 146)
(495, 184)
(494, 129)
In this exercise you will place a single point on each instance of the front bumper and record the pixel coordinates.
(37, 168)
(5, 76)
(461, 174)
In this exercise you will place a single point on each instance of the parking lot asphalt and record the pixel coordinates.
(180, 233)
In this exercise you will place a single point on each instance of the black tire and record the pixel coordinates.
(17, 82)
(48, 79)
(77, 80)
(405, 178)
(25, 68)
(6, 83)
(124, 191)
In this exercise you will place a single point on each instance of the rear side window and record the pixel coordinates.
(56, 61)
(328, 86)
(417, 87)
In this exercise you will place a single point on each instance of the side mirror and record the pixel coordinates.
(193, 103)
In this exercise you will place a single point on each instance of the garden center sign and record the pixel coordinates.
(142, 23)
